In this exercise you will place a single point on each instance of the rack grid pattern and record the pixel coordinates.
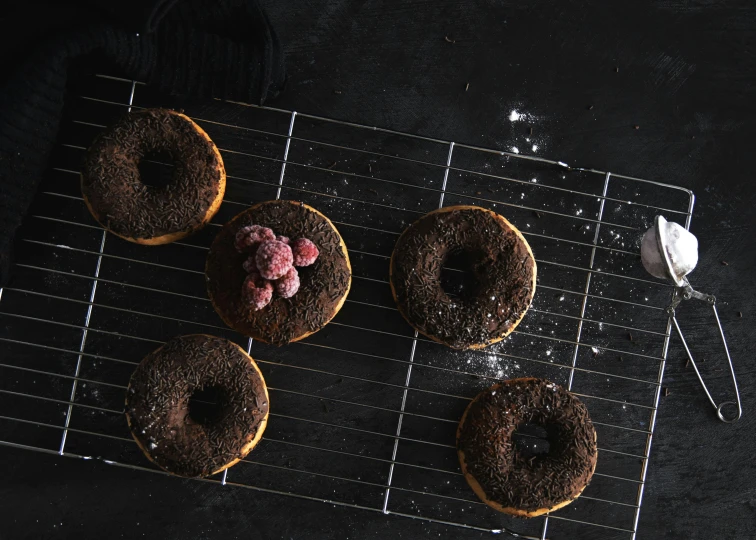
(364, 412)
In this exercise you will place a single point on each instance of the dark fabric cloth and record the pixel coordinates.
(216, 48)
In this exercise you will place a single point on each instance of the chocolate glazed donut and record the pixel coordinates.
(500, 473)
(324, 285)
(121, 202)
(499, 258)
(162, 420)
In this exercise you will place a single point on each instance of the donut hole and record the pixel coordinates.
(206, 405)
(156, 169)
(532, 441)
(459, 277)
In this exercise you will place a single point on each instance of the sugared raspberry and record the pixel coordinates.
(255, 278)
(248, 238)
(288, 285)
(284, 239)
(305, 252)
(250, 266)
(257, 292)
(273, 259)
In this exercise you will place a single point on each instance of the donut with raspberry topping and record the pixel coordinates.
(323, 286)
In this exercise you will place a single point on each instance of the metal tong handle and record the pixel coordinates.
(686, 292)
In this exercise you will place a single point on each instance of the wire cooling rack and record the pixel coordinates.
(364, 412)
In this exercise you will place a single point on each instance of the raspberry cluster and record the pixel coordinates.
(270, 264)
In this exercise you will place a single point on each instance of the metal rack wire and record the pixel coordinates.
(85, 307)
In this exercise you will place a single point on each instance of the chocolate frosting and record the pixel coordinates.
(122, 203)
(501, 263)
(157, 405)
(323, 285)
(507, 476)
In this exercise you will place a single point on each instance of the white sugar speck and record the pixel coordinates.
(514, 116)
(515, 150)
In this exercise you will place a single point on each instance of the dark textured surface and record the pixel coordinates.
(514, 478)
(501, 265)
(40, 39)
(683, 72)
(124, 204)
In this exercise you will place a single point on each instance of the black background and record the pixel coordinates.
(662, 90)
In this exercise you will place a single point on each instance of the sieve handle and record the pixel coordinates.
(730, 418)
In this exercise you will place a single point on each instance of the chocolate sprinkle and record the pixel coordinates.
(157, 405)
(323, 285)
(503, 270)
(507, 476)
(122, 203)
